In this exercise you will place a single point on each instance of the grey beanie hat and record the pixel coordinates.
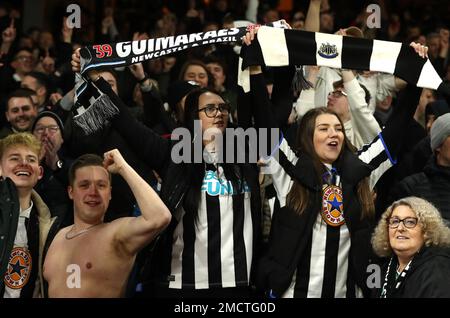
(48, 113)
(440, 131)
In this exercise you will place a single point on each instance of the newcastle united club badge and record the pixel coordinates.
(333, 206)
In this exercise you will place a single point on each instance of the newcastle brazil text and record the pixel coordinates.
(153, 48)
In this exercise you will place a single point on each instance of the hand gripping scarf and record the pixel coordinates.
(93, 109)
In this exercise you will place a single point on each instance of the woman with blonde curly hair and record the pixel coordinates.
(412, 233)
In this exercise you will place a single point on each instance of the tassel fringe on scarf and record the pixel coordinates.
(107, 56)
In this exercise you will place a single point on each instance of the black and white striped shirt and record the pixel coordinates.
(214, 251)
(323, 270)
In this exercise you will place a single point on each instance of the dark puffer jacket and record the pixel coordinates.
(433, 184)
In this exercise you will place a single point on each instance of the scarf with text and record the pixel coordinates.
(93, 109)
(274, 46)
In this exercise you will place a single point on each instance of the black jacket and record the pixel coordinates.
(156, 152)
(9, 213)
(429, 276)
(9, 217)
(433, 184)
(290, 232)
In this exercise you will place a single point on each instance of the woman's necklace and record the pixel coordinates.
(71, 236)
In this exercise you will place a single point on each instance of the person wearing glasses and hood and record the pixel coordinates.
(414, 238)
(208, 249)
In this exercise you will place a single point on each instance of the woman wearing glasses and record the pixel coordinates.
(414, 238)
(207, 250)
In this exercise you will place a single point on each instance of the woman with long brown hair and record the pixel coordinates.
(319, 245)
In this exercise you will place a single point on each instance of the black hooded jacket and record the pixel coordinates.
(428, 277)
(433, 184)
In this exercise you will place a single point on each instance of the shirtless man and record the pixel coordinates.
(92, 258)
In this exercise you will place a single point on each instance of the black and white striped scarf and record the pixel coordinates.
(281, 47)
(275, 46)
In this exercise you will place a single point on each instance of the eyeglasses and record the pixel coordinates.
(211, 109)
(337, 94)
(52, 129)
(408, 222)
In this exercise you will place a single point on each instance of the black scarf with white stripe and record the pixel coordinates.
(281, 47)
(394, 280)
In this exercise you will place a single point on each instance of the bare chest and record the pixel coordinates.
(83, 259)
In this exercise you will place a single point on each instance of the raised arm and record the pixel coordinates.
(260, 105)
(8, 37)
(264, 118)
(150, 147)
(133, 233)
(382, 152)
(361, 116)
(312, 22)
(153, 105)
(259, 97)
(282, 94)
